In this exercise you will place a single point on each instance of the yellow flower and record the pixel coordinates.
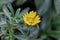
(31, 18)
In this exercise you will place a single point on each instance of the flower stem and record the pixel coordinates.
(11, 34)
(10, 30)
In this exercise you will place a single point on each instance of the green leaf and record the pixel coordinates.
(3, 2)
(42, 10)
(54, 33)
(57, 5)
(10, 30)
(17, 12)
(46, 20)
(21, 37)
(6, 12)
(24, 11)
(56, 21)
(20, 2)
(11, 9)
(1, 13)
(38, 3)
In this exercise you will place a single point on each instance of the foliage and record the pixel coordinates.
(12, 26)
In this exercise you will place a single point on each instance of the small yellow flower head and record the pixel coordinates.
(31, 18)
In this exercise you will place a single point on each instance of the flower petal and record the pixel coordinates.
(32, 14)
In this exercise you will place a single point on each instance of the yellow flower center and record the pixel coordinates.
(30, 21)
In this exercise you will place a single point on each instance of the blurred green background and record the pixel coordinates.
(12, 26)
